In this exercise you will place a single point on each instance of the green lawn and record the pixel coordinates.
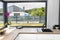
(23, 24)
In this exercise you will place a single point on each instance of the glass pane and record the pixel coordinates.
(27, 12)
(1, 15)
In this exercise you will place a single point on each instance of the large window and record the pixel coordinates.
(1, 15)
(30, 13)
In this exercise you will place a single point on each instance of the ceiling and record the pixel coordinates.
(24, 0)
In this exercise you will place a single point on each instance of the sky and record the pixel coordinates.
(1, 5)
(28, 5)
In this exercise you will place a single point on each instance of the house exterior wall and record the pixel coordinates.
(14, 8)
(10, 9)
(21, 13)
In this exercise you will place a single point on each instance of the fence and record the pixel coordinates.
(28, 19)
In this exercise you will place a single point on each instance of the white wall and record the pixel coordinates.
(52, 13)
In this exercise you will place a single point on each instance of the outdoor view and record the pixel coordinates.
(27, 13)
(1, 15)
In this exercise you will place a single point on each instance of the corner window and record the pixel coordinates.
(31, 13)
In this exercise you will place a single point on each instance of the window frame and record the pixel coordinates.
(6, 2)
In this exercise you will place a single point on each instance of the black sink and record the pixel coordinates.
(47, 30)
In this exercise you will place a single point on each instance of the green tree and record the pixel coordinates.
(37, 12)
(41, 13)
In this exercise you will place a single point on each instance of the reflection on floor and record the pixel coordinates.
(8, 30)
(38, 37)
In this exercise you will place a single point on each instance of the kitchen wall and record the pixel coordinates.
(52, 13)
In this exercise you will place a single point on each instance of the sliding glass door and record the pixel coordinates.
(27, 13)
